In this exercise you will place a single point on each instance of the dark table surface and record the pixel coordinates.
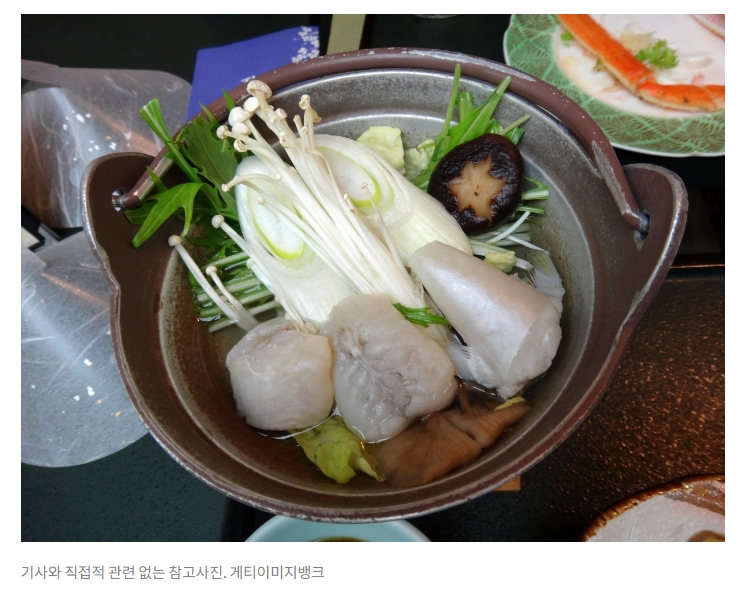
(662, 417)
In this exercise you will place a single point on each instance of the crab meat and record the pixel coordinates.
(635, 75)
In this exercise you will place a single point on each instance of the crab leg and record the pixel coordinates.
(716, 92)
(618, 60)
(635, 75)
(683, 96)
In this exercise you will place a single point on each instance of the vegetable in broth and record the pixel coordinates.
(371, 275)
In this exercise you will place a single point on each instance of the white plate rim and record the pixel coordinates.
(274, 529)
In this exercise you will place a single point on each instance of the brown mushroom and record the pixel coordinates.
(479, 182)
(424, 452)
(479, 417)
(445, 441)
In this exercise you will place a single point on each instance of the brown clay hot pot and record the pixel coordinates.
(612, 232)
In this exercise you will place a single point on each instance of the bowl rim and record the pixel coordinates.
(277, 528)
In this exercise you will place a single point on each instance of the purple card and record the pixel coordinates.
(222, 68)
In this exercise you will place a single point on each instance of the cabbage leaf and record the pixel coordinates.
(336, 451)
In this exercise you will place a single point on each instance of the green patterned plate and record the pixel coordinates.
(529, 46)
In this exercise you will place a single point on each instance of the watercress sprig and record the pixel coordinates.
(206, 161)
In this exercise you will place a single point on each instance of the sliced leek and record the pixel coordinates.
(412, 217)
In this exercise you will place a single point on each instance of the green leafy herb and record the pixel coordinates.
(213, 158)
(465, 105)
(158, 183)
(479, 120)
(422, 316)
(495, 127)
(214, 240)
(567, 37)
(164, 205)
(228, 100)
(514, 134)
(473, 122)
(151, 113)
(139, 215)
(659, 55)
(208, 115)
(206, 160)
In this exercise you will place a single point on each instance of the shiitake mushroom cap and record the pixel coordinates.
(479, 182)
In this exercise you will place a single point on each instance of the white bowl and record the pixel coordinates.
(284, 529)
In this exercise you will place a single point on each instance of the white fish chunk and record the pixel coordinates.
(386, 371)
(511, 330)
(281, 377)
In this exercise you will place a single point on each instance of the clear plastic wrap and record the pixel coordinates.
(70, 116)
